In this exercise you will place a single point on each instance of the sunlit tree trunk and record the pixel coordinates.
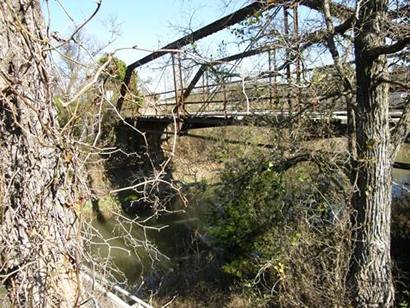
(371, 263)
(40, 245)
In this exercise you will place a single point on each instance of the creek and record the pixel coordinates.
(173, 232)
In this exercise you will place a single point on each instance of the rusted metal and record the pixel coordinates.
(275, 75)
(176, 91)
(206, 85)
(245, 54)
(337, 10)
(270, 78)
(234, 57)
(180, 102)
(297, 62)
(288, 56)
(214, 27)
(195, 80)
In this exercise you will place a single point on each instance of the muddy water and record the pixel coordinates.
(173, 233)
(401, 178)
(136, 251)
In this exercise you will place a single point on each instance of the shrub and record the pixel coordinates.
(278, 234)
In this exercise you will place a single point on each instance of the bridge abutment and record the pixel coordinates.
(138, 160)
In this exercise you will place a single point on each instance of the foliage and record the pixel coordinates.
(328, 74)
(401, 217)
(282, 232)
(93, 112)
(116, 69)
(247, 204)
(112, 78)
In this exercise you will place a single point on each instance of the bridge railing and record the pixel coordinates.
(203, 86)
(268, 90)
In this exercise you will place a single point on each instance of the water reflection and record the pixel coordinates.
(401, 178)
(136, 251)
(173, 233)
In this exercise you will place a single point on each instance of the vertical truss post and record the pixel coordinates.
(275, 78)
(270, 79)
(288, 72)
(203, 86)
(181, 105)
(298, 56)
(207, 83)
(176, 93)
(225, 97)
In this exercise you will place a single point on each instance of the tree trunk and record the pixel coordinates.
(40, 246)
(371, 263)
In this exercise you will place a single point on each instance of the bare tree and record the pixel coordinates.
(40, 245)
(40, 174)
(376, 150)
(375, 29)
(373, 145)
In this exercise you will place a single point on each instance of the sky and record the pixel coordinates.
(147, 24)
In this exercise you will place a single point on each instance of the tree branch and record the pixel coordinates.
(293, 161)
(336, 9)
(321, 35)
(401, 130)
(400, 12)
(332, 46)
(389, 49)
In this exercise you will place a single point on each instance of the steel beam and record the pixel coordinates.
(214, 27)
(231, 58)
(229, 20)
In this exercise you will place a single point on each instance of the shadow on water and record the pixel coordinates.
(401, 178)
(97, 211)
(169, 233)
(174, 231)
(121, 238)
(400, 226)
(140, 158)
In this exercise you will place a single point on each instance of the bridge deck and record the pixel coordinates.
(255, 118)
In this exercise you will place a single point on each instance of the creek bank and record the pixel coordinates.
(184, 247)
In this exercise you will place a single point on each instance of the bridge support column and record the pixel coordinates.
(139, 158)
